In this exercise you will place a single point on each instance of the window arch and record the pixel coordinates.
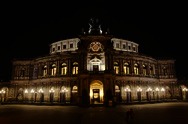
(75, 68)
(44, 70)
(136, 67)
(116, 68)
(74, 89)
(144, 69)
(63, 69)
(117, 88)
(151, 71)
(126, 68)
(53, 69)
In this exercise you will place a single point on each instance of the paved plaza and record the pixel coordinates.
(156, 113)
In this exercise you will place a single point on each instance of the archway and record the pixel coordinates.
(96, 92)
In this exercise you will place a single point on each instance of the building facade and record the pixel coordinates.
(93, 68)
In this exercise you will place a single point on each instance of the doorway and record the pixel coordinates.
(96, 92)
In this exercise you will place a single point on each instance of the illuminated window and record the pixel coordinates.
(53, 70)
(63, 69)
(136, 69)
(151, 70)
(116, 68)
(75, 89)
(117, 88)
(126, 68)
(45, 70)
(144, 70)
(75, 68)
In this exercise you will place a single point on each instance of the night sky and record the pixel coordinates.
(159, 29)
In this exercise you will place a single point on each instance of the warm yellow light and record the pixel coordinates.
(157, 89)
(185, 89)
(32, 91)
(51, 90)
(41, 91)
(149, 89)
(139, 89)
(162, 89)
(127, 89)
(26, 91)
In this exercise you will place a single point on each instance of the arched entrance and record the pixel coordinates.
(96, 92)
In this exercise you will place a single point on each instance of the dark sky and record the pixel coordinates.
(159, 28)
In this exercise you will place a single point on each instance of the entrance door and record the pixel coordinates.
(96, 95)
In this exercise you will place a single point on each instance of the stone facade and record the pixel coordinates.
(91, 69)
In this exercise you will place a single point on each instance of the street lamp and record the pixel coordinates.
(2, 92)
(148, 93)
(32, 93)
(185, 95)
(51, 94)
(63, 95)
(139, 90)
(157, 90)
(128, 92)
(41, 95)
(163, 92)
(25, 94)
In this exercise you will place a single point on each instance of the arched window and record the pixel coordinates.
(151, 70)
(144, 70)
(116, 68)
(75, 68)
(136, 69)
(45, 70)
(117, 88)
(63, 69)
(75, 89)
(53, 69)
(164, 71)
(126, 68)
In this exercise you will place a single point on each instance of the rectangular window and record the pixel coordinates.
(58, 47)
(124, 46)
(71, 45)
(117, 45)
(53, 49)
(64, 46)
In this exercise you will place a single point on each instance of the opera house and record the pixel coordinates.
(93, 68)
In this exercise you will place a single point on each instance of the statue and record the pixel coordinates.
(95, 27)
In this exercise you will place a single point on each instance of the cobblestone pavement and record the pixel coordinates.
(158, 113)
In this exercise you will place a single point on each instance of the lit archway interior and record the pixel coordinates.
(96, 92)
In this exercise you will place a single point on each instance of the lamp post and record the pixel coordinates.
(51, 95)
(163, 92)
(139, 90)
(32, 95)
(148, 93)
(25, 94)
(128, 93)
(63, 95)
(2, 92)
(185, 95)
(41, 95)
(157, 90)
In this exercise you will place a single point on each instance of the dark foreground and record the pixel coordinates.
(160, 113)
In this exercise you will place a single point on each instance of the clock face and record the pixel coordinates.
(95, 46)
